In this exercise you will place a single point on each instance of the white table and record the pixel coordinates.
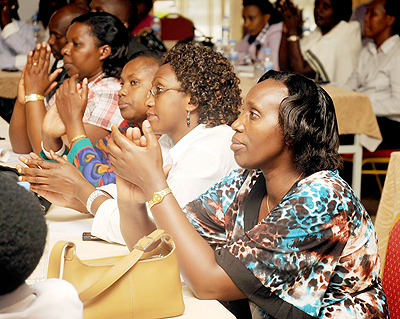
(68, 224)
(354, 115)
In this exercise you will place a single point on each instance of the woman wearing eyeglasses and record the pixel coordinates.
(193, 98)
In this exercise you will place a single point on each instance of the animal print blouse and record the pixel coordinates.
(314, 256)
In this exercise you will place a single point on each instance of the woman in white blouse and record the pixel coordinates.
(194, 97)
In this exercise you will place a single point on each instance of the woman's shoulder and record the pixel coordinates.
(276, 27)
(105, 83)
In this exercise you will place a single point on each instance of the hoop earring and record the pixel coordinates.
(188, 118)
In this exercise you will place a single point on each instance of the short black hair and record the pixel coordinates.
(266, 7)
(342, 10)
(157, 55)
(23, 233)
(391, 8)
(109, 30)
(308, 121)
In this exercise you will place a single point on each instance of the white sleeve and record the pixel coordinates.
(56, 298)
(106, 222)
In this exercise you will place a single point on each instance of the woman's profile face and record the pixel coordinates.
(136, 80)
(323, 14)
(254, 19)
(167, 110)
(258, 141)
(81, 54)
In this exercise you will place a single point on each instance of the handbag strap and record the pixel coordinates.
(55, 266)
(121, 267)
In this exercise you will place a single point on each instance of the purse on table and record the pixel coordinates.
(139, 285)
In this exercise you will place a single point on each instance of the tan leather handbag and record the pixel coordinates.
(139, 285)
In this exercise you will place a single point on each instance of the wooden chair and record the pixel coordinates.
(391, 270)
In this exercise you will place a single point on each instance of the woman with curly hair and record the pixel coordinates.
(193, 98)
(283, 236)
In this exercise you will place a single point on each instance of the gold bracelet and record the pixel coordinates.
(159, 196)
(33, 98)
(78, 137)
(293, 38)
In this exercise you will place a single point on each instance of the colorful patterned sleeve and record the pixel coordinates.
(93, 160)
(314, 255)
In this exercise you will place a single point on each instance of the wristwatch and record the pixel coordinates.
(159, 196)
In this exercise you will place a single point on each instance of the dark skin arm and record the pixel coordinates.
(66, 116)
(26, 121)
(290, 56)
(139, 181)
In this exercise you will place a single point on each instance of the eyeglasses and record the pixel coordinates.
(157, 90)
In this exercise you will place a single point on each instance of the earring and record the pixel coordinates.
(13, 7)
(188, 118)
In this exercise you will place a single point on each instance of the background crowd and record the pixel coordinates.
(110, 117)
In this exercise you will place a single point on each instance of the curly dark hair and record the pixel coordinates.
(23, 233)
(209, 78)
(108, 30)
(308, 121)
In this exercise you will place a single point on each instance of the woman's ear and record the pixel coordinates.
(267, 16)
(105, 52)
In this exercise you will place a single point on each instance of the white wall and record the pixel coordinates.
(27, 8)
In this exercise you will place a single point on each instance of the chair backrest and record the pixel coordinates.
(176, 27)
(391, 271)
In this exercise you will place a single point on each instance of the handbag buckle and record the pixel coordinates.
(144, 243)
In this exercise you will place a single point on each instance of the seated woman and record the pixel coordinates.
(94, 55)
(263, 26)
(285, 231)
(330, 52)
(377, 73)
(193, 99)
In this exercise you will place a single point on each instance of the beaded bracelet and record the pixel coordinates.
(91, 199)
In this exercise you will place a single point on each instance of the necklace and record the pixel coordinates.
(298, 178)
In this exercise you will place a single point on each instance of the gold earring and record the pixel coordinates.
(13, 7)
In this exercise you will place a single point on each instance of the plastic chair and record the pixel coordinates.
(391, 270)
(176, 27)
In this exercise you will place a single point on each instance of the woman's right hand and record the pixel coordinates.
(53, 126)
(291, 16)
(36, 76)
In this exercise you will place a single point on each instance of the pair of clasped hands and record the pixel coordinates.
(71, 97)
(136, 159)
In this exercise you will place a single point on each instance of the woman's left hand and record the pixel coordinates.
(61, 177)
(137, 160)
(71, 100)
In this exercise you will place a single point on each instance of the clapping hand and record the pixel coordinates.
(137, 161)
(72, 100)
(292, 17)
(57, 182)
(36, 72)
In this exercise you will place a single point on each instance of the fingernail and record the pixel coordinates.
(146, 123)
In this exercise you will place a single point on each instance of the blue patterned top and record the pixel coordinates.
(314, 256)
